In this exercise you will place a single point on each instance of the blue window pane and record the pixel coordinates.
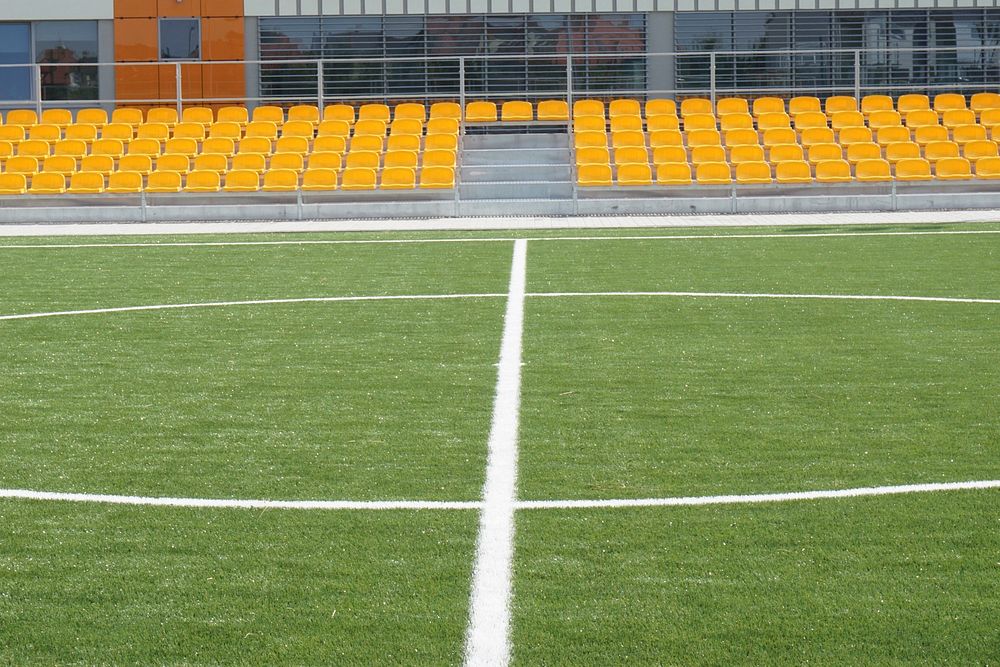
(15, 49)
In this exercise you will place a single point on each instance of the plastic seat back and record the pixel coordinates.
(450, 110)
(341, 112)
(125, 182)
(594, 175)
(753, 172)
(242, 180)
(374, 112)
(439, 159)
(624, 107)
(673, 173)
(47, 184)
(308, 113)
(163, 181)
(269, 113)
(833, 171)
(203, 181)
(234, 114)
(732, 105)
(163, 115)
(635, 174)
(517, 111)
(437, 178)
(410, 111)
(768, 105)
(553, 110)
(367, 142)
(319, 179)
(953, 169)
(713, 173)
(281, 180)
(793, 171)
(86, 183)
(201, 115)
(358, 178)
(873, 171)
(913, 169)
(840, 103)
(398, 178)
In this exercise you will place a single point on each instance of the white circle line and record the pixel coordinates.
(765, 295)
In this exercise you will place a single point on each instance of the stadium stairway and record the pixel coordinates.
(518, 167)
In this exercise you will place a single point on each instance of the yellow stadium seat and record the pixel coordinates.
(201, 115)
(980, 102)
(892, 135)
(937, 150)
(920, 118)
(331, 145)
(699, 121)
(112, 147)
(704, 138)
(298, 128)
(194, 131)
(281, 180)
(371, 126)
(407, 142)
(884, 118)
(82, 132)
(872, 171)
(401, 159)
(804, 104)
(48, 133)
(990, 117)
(778, 136)
(662, 123)
(948, 102)
(363, 160)
(753, 173)
(635, 174)
(374, 112)
(702, 154)
(594, 175)
(22, 164)
(988, 167)
(631, 155)
(438, 158)
(270, 113)
(47, 184)
(59, 164)
(768, 105)
(73, 147)
(769, 121)
(589, 124)
(660, 107)
(446, 110)
(102, 164)
(333, 128)
(741, 138)
(732, 105)
(964, 134)
(367, 142)
(259, 145)
(163, 181)
(914, 169)
(442, 126)
(953, 118)
(697, 106)
(741, 154)
(622, 139)
(398, 178)
(786, 153)
(120, 131)
(840, 103)
(308, 113)
(953, 169)
(586, 139)
(34, 148)
(912, 102)
(665, 138)
(341, 112)
(225, 131)
(794, 171)
(211, 162)
(13, 184)
(183, 145)
(223, 145)
(86, 183)
(844, 119)
(667, 154)
(516, 111)
(144, 147)
(588, 108)
(480, 111)
(825, 152)
(288, 161)
(863, 151)
(130, 116)
(162, 115)
(262, 128)
(809, 119)
(172, 162)
(6, 149)
(624, 107)
(592, 155)
(12, 133)
(242, 180)
(871, 104)
(437, 178)
(203, 181)
(234, 114)
(625, 123)
(358, 178)
(319, 180)
(902, 150)
(403, 126)
(975, 150)
(854, 135)
(410, 111)
(713, 173)
(142, 164)
(299, 145)
(553, 110)
(22, 117)
(92, 116)
(817, 135)
(254, 162)
(125, 182)
(673, 173)
(731, 122)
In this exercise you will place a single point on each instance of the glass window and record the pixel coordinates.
(67, 51)
(180, 39)
(15, 49)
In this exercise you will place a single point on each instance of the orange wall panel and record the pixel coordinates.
(135, 9)
(136, 40)
(222, 39)
(182, 8)
(191, 82)
(212, 8)
(137, 82)
(224, 81)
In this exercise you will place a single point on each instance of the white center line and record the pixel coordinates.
(487, 639)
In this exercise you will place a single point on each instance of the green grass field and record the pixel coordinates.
(624, 396)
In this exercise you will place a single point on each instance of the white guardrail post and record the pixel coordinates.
(180, 90)
(36, 86)
(711, 77)
(320, 85)
(857, 76)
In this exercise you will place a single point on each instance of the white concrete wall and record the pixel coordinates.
(37, 10)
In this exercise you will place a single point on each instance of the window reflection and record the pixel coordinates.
(15, 49)
(67, 51)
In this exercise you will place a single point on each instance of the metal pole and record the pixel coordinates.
(320, 85)
(461, 93)
(711, 79)
(37, 92)
(857, 75)
(569, 93)
(180, 90)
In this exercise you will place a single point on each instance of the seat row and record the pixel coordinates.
(237, 180)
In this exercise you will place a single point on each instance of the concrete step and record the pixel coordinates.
(515, 190)
(479, 157)
(506, 141)
(516, 172)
